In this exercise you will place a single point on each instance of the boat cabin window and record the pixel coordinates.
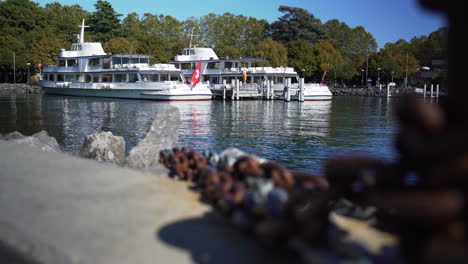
(175, 77)
(71, 63)
(59, 77)
(214, 79)
(76, 47)
(132, 77)
(92, 78)
(244, 64)
(93, 62)
(149, 77)
(106, 63)
(228, 64)
(213, 65)
(258, 79)
(119, 77)
(61, 63)
(116, 60)
(107, 77)
(128, 60)
(186, 66)
(164, 77)
(189, 52)
(229, 79)
(71, 77)
(45, 77)
(278, 79)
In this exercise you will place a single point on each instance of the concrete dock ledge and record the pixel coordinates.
(57, 208)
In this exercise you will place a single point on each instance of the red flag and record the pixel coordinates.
(196, 75)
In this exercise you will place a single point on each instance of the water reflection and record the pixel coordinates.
(301, 135)
(272, 129)
(21, 112)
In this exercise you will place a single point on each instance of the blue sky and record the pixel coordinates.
(386, 20)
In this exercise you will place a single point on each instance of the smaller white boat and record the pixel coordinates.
(312, 92)
(87, 70)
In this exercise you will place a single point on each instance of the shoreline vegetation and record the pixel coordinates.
(32, 35)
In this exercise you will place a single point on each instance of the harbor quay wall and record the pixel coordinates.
(24, 88)
(57, 208)
(369, 91)
(19, 88)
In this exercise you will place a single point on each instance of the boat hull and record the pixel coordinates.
(313, 93)
(314, 97)
(143, 94)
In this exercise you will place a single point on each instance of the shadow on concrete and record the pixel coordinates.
(8, 255)
(211, 239)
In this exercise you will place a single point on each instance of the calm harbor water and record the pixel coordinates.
(299, 135)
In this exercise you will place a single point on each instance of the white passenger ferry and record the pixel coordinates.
(218, 71)
(87, 70)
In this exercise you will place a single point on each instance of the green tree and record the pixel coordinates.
(437, 43)
(328, 58)
(45, 48)
(344, 72)
(296, 23)
(355, 44)
(8, 45)
(341, 36)
(301, 57)
(132, 27)
(105, 22)
(21, 23)
(227, 33)
(64, 20)
(161, 36)
(118, 45)
(274, 52)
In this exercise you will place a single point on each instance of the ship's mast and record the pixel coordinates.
(191, 38)
(82, 31)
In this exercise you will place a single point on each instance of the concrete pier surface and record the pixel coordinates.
(57, 208)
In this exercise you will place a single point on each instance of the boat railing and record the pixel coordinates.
(60, 69)
(312, 85)
(250, 86)
(62, 84)
(267, 70)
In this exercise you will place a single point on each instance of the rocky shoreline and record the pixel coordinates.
(20, 88)
(108, 148)
(371, 92)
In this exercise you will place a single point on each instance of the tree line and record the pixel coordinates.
(297, 39)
